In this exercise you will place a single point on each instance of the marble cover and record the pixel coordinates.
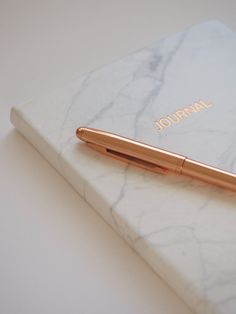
(183, 228)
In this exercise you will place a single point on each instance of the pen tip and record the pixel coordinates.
(79, 133)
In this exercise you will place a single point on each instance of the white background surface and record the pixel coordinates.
(56, 254)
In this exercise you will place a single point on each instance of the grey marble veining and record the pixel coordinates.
(183, 228)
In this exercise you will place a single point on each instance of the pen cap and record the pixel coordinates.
(123, 145)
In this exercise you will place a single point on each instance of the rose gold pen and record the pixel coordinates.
(152, 158)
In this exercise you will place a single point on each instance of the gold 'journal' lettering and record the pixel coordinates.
(181, 114)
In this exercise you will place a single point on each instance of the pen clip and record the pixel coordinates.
(130, 159)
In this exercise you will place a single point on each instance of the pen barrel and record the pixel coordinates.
(209, 174)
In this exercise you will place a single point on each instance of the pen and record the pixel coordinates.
(153, 158)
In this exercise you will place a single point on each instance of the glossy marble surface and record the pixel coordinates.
(183, 228)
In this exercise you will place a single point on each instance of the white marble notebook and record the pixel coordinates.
(186, 84)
